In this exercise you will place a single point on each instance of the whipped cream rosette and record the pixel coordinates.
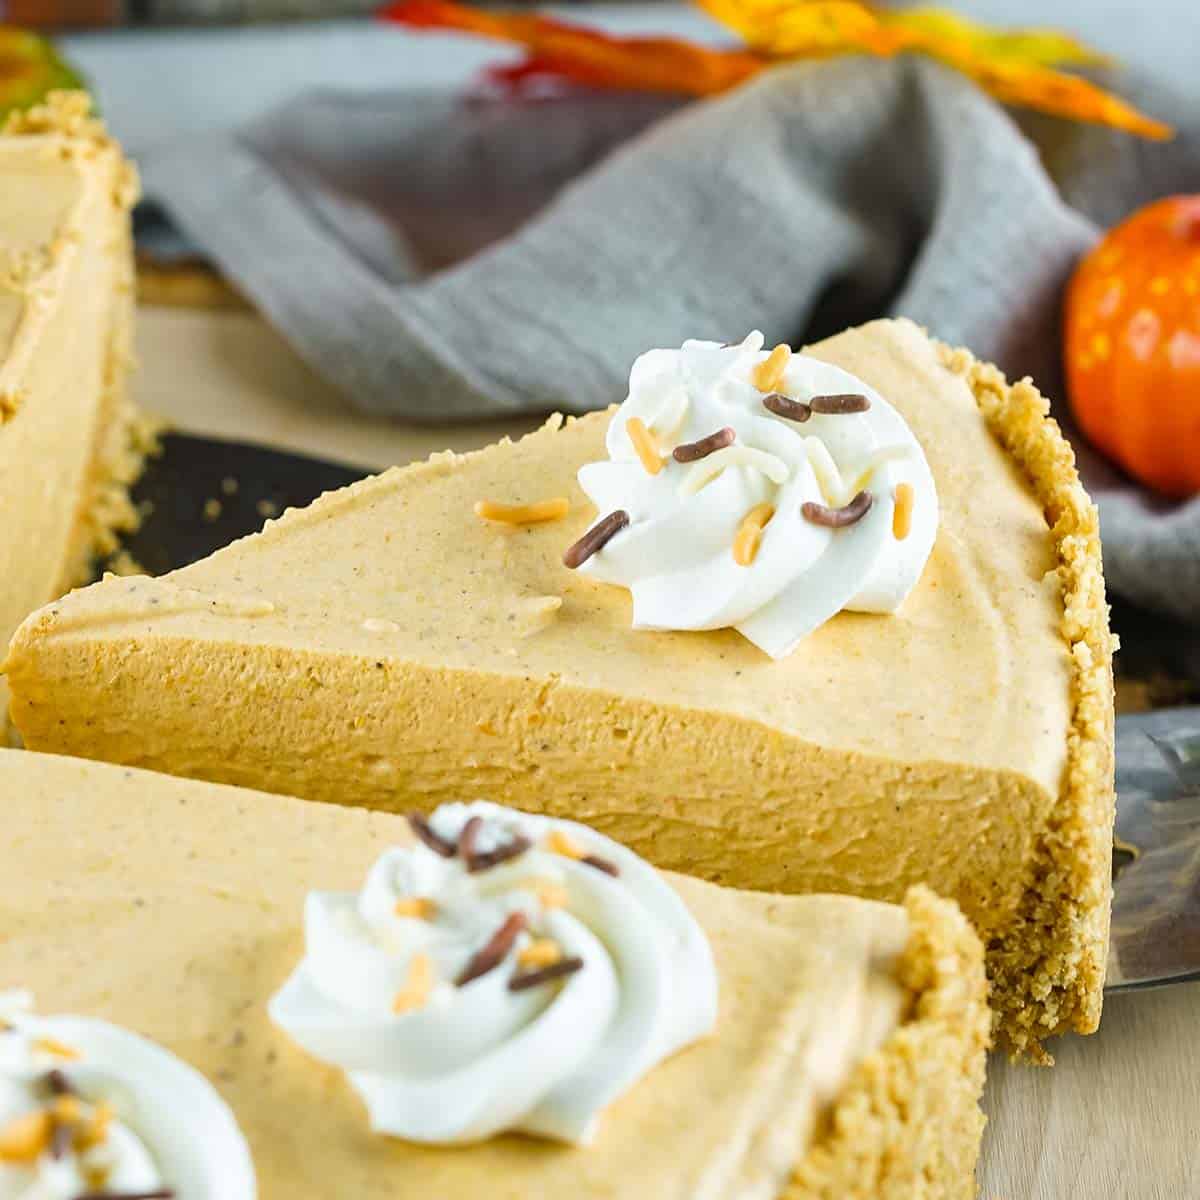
(765, 492)
(89, 1110)
(504, 972)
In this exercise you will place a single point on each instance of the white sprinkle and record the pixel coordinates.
(707, 469)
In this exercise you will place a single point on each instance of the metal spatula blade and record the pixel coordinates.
(201, 494)
(1155, 935)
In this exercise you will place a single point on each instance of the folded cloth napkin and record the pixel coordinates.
(443, 257)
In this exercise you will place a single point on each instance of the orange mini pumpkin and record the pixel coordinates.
(1132, 345)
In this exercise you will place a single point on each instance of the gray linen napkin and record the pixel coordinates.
(440, 257)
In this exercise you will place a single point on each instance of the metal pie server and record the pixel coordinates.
(201, 494)
(1155, 936)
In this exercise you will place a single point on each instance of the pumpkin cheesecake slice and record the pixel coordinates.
(826, 622)
(69, 440)
(381, 1013)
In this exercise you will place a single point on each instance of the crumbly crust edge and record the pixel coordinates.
(907, 1126)
(125, 436)
(1048, 967)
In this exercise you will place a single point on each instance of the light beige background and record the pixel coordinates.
(1117, 1119)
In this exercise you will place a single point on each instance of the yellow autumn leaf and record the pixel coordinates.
(1015, 66)
(1031, 47)
(795, 28)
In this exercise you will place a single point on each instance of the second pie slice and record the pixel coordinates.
(831, 1047)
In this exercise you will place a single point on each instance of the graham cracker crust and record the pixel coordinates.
(1047, 968)
(908, 1124)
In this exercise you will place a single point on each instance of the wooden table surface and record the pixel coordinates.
(1118, 1118)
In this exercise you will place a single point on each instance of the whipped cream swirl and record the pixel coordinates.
(675, 554)
(448, 1042)
(90, 1109)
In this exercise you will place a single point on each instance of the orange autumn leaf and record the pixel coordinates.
(587, 56)
(1015, 66)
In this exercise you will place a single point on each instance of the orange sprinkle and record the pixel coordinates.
(549, 892)
(767, 375)
(902, 512)
(558, 842)
(22, 1141)
(420, 907)
(645, 444)
(49, 1045)
(541, 952)
(523, 514)
(96, 1131)
(67, 1110)
(749, 534)
(1160, 285)
(417, 987)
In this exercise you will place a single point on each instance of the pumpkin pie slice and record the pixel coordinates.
(752, 1045)
(69, 445)
(919, 691)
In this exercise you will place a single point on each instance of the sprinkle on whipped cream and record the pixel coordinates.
(749, 534)
(902, 513)
(838, 518)
(694, 451)
(90, 1111)
(645, 445)
(596, 538)
(559, 975)
(767, 374)
(764, 492)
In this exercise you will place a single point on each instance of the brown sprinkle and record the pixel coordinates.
(467, 837)
(558, 970)
(601, 864)
(749, 535)
(493, 953)
(786, 407)
(767, 374)
(840, 403)
(418, 985)
(838, 518)
(645, 444)
(430, 836)
(695, 451)
(523, 514)
(57, 1084)
(502, 854)
(902, 512)
(596, 538)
